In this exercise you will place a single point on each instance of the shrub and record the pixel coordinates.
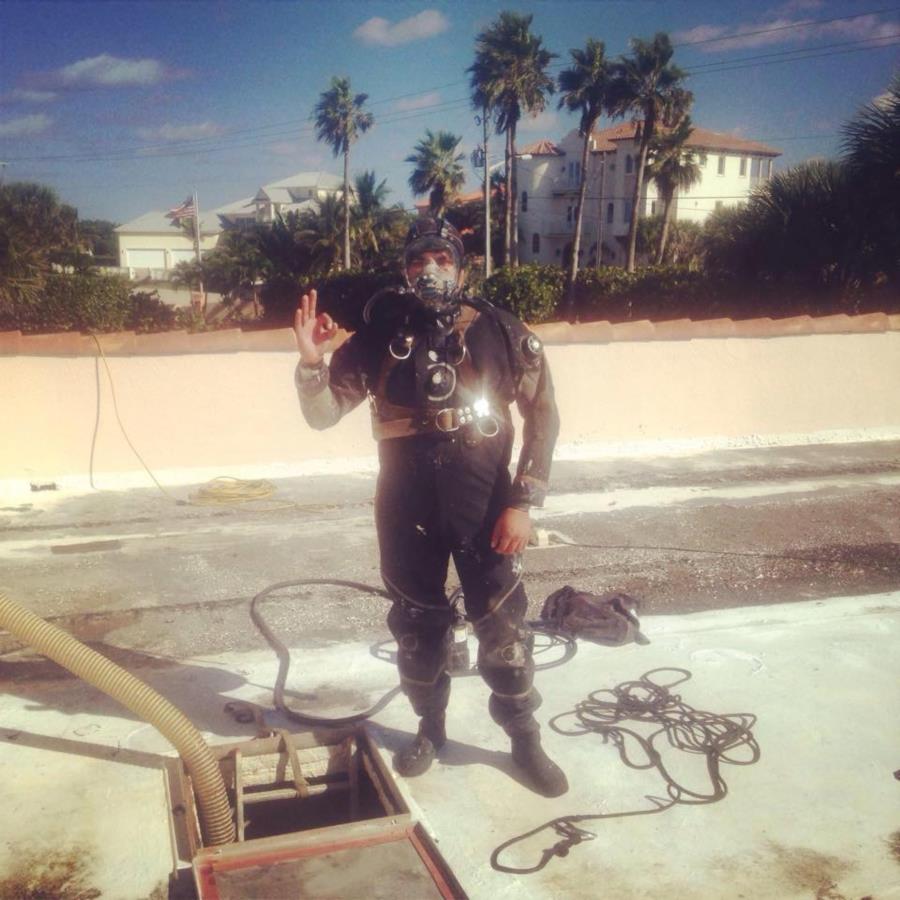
(84, 301)
(531, 292)
(148, 313)
(652, 292)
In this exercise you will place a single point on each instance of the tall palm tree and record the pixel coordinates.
(340, 120)
(672, 168)
(585, 89)
(437, 169)
(649, 87)
(509, 77)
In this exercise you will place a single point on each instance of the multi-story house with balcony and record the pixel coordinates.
(549, 175)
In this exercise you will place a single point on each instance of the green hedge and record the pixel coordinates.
(83, 301)
(90, 301)
(531, 292)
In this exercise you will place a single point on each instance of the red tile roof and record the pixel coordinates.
(458, 200)
(542, 148)
(701, 138)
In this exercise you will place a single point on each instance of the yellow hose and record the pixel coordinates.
(216, 822)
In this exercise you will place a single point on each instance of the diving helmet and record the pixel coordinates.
(432, 263)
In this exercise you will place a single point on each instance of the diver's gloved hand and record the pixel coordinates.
(312, 331)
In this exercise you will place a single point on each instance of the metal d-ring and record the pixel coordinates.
(405, 342)
(493, 426)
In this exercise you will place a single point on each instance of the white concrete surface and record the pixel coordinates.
(812, 818)
(219, 412)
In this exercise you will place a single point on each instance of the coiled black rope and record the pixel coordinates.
(649, 700)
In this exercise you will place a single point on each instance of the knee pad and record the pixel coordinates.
(423, 641)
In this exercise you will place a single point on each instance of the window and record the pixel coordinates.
(721, 165)
(754, 168)
(743, 166)
(629, 165)
(769, 170)
(524, 201)
(626, 211)
(558, 252)
(652, 207)
(535, 243)
(702, 160)
(568, 213)
(610, 212)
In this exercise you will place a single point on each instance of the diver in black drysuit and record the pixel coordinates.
(440, 373)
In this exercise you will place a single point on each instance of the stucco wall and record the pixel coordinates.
(224, 410)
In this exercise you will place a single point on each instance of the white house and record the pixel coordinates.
(549, 176)
(152, 245)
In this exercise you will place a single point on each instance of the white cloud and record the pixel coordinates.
(25, 126)
(547, 121)
(382, 33)
(22, 95)
(784, 30)
(432, 98)
(169, 132)
(111, 71)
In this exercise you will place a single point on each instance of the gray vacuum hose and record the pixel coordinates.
(216, 822)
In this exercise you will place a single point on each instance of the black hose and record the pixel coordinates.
(284, 655)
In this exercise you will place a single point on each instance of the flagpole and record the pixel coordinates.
(197, 248)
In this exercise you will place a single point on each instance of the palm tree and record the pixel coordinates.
(585, 89)
(509, 77)
(319, 231)
(872, 154)
(672, 168)
(437, 169)
(369, 209)
(36, 230)
(649, 87)
(339, 122)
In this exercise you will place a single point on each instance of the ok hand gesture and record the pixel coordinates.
(312, 331)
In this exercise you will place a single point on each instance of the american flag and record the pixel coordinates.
(183, 210)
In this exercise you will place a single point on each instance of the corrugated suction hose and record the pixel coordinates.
(216, 822)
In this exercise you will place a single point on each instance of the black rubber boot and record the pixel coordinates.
(545, 776)
(416, 757)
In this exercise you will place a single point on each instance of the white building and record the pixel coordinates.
(152, 245)
(549, 176)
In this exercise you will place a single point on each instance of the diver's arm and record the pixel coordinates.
(326, 393)
(536, 403)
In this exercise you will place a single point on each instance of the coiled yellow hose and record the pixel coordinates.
(216, 822)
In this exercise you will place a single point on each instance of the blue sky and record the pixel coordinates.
(141, 103)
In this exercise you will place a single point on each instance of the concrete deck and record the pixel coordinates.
(816, 816)
(804, 643)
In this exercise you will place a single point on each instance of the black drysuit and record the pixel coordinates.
(440, 392)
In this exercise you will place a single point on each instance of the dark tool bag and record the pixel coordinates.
(609, 618)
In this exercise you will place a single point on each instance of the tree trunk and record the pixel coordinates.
(668, 206)
(347, 208)
(636, 199)
(507, 213)
(514, 197)
(579, 217)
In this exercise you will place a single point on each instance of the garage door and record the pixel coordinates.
(147, 259)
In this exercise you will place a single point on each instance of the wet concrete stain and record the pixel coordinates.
(49, 876)
(893, 843)
(809, 870)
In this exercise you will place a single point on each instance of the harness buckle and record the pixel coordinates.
(447, 419)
